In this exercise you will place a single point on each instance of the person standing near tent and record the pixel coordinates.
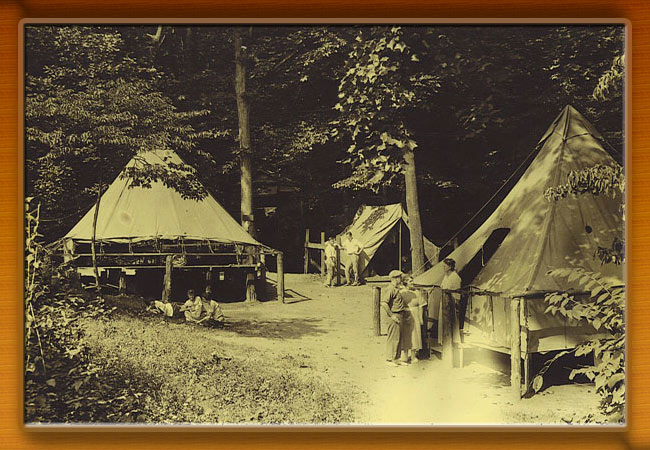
(353, 249)
(192, 307)
(331, 262)
(412, 328)
(393, 306)
(450, 282)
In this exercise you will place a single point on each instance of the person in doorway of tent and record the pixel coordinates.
(211, 312)
(451, 282)
(353, 249)
(331, 262)
(192, 308)
(412, 327)
(393, 305)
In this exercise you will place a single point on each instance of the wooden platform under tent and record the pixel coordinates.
(514, 325)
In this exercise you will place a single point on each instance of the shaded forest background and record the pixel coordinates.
(474, 100)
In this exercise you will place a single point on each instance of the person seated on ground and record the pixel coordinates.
(161, 307)
(211, 311)
(192, 308)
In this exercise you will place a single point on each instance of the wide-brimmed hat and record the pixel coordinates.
(395, 274)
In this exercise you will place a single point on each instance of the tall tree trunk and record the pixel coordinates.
(93, 240)
(247, 219)
(418, 258)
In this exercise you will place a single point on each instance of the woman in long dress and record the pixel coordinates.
(412, 330)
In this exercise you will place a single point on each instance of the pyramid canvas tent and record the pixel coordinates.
(509, 255)
(134, 213)
(371, 226)
(154, 227)
(541, 235)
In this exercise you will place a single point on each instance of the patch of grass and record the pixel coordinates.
(185, 374)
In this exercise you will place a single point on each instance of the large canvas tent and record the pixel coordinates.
(373, 224)
(130, 213)
(509, 255)
(141, 226)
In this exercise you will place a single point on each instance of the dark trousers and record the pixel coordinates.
(393, 347)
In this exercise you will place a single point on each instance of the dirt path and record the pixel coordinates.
(330, 332)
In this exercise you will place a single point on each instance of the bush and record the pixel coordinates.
(62, 384)
(605, 312)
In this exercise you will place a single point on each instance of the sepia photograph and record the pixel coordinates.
(279, 224)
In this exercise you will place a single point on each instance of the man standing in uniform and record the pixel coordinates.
(393, 306)
(353, 249)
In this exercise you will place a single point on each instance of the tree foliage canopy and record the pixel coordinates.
(330, 106)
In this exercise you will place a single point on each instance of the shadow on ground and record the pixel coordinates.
(275, 329)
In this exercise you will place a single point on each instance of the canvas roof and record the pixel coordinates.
(371, 225)
(136, 213)
(544, 234)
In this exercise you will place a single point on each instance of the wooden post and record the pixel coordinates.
(338, 266)
(167, 283)
(122, 284)
(322, 254)
(524, 344)
(280, 287)
(527, 367)
(251, 292)
(515, 348)
(306, 250)
(399, 246)
(376, 310)
(446, 322)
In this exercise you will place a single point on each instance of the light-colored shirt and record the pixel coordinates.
(352, 246)
(213, 310)
(452, 282)
(330, 250)
(194, 307)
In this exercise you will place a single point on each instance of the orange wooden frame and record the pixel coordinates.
(637, 434)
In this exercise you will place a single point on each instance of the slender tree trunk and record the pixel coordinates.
(93, 240)
(247, 219)
(418, 258)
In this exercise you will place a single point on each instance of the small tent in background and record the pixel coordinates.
(509, 255)
(373, 225)
(139, 226)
